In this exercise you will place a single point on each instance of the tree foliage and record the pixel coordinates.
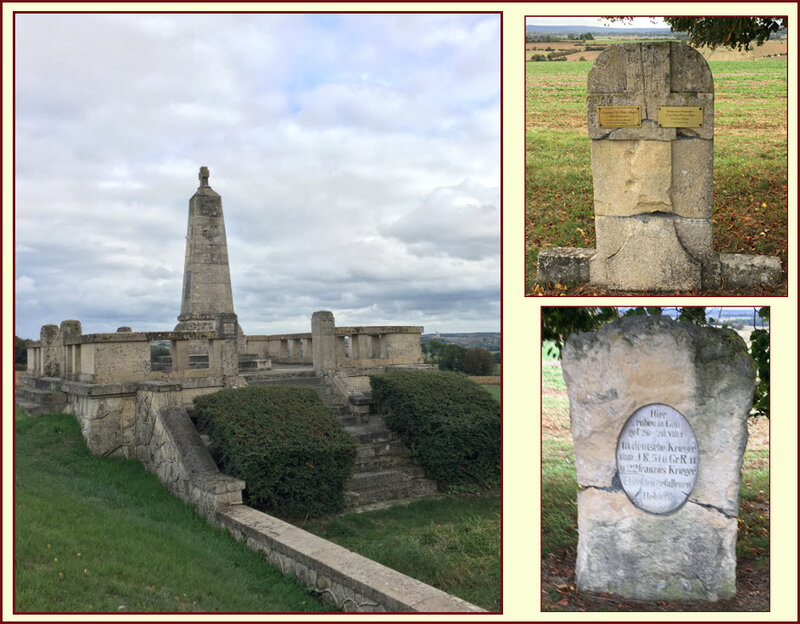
(759, 349)
(559, 322)
(474, 361)
(20, 351)
(737, 32)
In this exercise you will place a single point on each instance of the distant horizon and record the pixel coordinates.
(597, 22)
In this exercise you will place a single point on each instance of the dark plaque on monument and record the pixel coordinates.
(657, 458)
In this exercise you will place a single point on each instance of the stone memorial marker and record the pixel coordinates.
(652, 179)
(658, 413)
(650, 112)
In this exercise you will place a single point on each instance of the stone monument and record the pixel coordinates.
(206, 274)
(651, 125)
(650, 111)
(658, 413)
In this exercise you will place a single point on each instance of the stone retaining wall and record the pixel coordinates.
(168, 444)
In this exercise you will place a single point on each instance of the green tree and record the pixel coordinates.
(558, 323)
(759, 349)
(737, 32)
(20, 352)
(452, 358)
(478, 361)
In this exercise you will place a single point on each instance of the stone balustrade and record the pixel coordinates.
(281, 348)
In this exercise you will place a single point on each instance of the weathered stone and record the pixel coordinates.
(705, 374)
(206, 276)
(631, 177)
(654, 252)
(563, 265)
(692, 172)
(664, 172)
(742, 270)
(689, 555)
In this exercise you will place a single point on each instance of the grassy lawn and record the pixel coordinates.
(102, 534)
(452, 543)
(750, 166)
(559, 512)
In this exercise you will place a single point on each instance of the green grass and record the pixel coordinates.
(493, 390)
(102, 534)
(750, 146)
(452, 543)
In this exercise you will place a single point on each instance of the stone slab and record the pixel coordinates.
(690, 555)
(743, 270)
(654, 252)
(686, 552)
(563, 265)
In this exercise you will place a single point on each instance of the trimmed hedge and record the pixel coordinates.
(292, 452)
(450, 423)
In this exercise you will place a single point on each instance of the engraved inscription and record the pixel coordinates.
(680, 116)
(657, 458)
(619, 116)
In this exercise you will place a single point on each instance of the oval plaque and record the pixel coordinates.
(657, 458)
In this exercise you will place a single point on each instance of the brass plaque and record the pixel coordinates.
(619, 116)
(680, 116)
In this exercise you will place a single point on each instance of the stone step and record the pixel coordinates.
(38, 396)
(386, 461)
(365, 452)
(414, 488)
(51, 384)
(368, 433)
(384, 478)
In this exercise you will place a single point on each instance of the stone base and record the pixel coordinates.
(654, 252)
(565, 265)
(687, 555)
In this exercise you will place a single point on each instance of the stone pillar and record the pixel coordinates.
(659, 424)
(323, 341)
(67, 332)
(227, 328)
(651, 125)
(206, 274)
(51, 351)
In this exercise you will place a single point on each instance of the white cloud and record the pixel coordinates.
(334, 140)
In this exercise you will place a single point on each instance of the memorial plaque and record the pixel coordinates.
(619, 116)
(680, 116)
(657, 458)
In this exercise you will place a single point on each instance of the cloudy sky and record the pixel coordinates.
(636, 22)
(358, 159)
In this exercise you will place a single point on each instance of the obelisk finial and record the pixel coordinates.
(203, 175)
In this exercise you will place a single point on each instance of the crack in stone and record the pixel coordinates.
(713, 508)
(611, 488)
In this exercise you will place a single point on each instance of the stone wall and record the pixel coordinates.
(167, 443)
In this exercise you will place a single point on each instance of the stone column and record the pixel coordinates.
(206, 274)
(651, 125)
(323, 341)
(68, 331)
(51, 351)
(659, 412)
(227, 328)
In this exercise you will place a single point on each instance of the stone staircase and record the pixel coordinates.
(40, 395)
(384, 471)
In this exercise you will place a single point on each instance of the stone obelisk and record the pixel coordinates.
(206, 274)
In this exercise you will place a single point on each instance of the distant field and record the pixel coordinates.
(750, 161)
(577, 49)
